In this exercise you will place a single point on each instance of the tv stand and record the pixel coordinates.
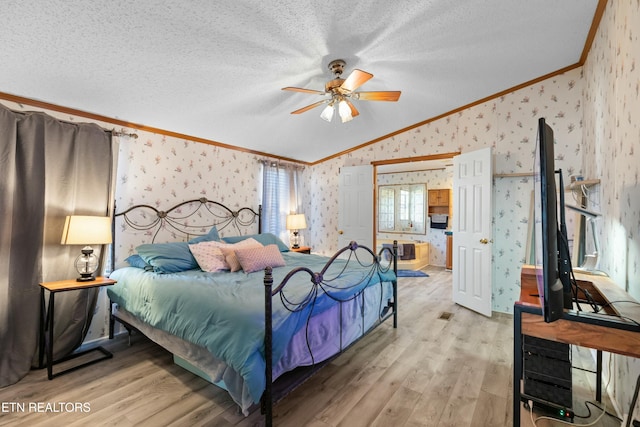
(617, 330)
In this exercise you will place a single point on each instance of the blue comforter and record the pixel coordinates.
(224, 312)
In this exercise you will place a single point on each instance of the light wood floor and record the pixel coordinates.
(428, 372)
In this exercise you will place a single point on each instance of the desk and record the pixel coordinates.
(46, 323)
(597, 331)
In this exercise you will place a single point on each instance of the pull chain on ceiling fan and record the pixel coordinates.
(341, 91)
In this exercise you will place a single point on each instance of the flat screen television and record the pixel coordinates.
(546, 230)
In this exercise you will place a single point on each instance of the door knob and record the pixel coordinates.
(484, 241)
(340, 232)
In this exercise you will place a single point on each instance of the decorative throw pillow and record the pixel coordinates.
(136, 260)
(168, 257)
(231, 259)
(264, 238)
(255, 259)
(210, 256)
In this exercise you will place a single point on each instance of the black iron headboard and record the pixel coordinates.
(185, 220)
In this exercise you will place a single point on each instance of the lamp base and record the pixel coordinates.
(296, 240)
(85, 278)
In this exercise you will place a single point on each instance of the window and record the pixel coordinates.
(279, 197)
(401, 208)
(386, 208)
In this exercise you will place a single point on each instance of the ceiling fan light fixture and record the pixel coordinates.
(345, 111)
(342, 91)
(327, 113)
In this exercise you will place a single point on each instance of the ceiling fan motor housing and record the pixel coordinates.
(337, 67)
(333, 85)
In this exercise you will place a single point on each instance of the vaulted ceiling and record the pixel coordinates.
(214, 69)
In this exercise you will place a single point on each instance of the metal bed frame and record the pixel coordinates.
(182, 220)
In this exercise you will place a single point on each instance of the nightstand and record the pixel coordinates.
(46, 323)
(302, 249)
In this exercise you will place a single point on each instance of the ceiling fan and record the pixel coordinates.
(342, 91)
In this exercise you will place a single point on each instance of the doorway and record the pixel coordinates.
(440, 168)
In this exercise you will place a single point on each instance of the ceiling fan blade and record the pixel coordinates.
(309, 107)
(391, 95)
(354, 111)
(299, 89)
(356, 79)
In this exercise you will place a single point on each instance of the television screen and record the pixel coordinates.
(550, 288)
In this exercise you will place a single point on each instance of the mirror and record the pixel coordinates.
(401, 208)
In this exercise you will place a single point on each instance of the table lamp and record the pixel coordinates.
(296, 222)
(86, 230)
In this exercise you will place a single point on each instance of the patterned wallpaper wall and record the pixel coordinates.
(508, 124)
(611, 140)
(162, 170)
(435, 179)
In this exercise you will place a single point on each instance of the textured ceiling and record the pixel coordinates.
(215, 70)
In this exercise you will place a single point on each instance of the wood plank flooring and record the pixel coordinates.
(428, 372)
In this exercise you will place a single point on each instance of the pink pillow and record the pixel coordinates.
(254, 259)
(210, 257)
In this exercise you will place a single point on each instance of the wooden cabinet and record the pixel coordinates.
(440, 203)
(439, 197)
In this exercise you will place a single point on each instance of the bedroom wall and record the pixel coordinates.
(163, 171)
(435, 179)
(611, 135)
(508, 124)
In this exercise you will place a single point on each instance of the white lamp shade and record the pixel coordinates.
(86, 230)
(345, 111)
(327, 113)
(296, 222)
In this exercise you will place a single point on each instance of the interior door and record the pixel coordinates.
(472, 237)
(356, 206)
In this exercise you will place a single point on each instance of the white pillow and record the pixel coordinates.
(210, 257)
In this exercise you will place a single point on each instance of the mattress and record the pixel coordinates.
(216, 320)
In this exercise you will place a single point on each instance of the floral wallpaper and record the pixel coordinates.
(162, 171)
(611, 154)
(509, 125)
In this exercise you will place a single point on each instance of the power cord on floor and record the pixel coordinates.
(588, 402)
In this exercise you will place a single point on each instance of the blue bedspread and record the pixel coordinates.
(224, 312)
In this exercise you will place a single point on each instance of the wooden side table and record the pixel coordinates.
(302, 249)
(46, 323)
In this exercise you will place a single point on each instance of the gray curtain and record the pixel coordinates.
(48, 169)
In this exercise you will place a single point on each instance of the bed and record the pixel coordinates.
(258, 331)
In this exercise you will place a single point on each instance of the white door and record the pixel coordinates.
(356, 206)
(472, 238)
